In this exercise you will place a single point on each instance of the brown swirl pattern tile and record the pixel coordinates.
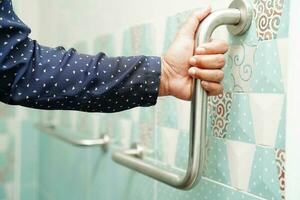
(267, 14)
(219, 110)
(280, 163)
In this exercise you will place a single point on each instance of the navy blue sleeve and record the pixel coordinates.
(40, 77)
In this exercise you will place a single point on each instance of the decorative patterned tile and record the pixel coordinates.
(219, 108)
(254, 68)
(239, 67)
(267, 14)
(280, 162)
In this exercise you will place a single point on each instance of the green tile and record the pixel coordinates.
(283, 31)
(29, 161)
(63, 169)
(216, 167)
(166, 112)
(264, 180)
(29, 192)
(240, 126)
(138, 40)
(205, 190)
(182, 150)
(105, 43)
(253, 68)
(267, 75)
(173, 23)
(81, 46)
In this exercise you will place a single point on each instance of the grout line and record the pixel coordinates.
(208, 179)
(258, 145)
(233, 188)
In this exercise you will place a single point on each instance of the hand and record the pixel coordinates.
(182, 62)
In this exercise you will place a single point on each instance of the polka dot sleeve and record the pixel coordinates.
(54, 78)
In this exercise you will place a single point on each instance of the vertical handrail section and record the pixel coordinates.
(238, 18)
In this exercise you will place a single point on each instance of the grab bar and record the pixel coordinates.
(238, 16)
(103, 141)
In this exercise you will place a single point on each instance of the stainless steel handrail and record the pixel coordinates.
(238, 16)
(52, 130)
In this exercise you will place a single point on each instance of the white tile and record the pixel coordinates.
(125, 130)
(240, 158)
(266, 113)
(183, 114)
(4, 140)
(170, 138)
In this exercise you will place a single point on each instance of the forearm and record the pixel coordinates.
(53, 78)
(59, 79)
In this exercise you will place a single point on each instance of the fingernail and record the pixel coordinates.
(193, 61)
(192, 71)
(200, 50)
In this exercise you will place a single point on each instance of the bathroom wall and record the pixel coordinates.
(247, 124)
(293, 99)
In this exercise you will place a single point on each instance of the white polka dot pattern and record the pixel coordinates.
(54, 78)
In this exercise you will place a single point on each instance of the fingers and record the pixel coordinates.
(213, 47)
(214, 61)
(212, 88)
(206, 75)
(191, 25)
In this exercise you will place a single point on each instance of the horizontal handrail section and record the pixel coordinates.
(52, 130)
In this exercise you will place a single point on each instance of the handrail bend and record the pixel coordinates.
(238, 17)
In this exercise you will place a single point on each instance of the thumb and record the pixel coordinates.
(191, 25)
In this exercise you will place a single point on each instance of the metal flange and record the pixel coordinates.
(246, 10)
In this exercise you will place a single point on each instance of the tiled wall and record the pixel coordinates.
(246, 137)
